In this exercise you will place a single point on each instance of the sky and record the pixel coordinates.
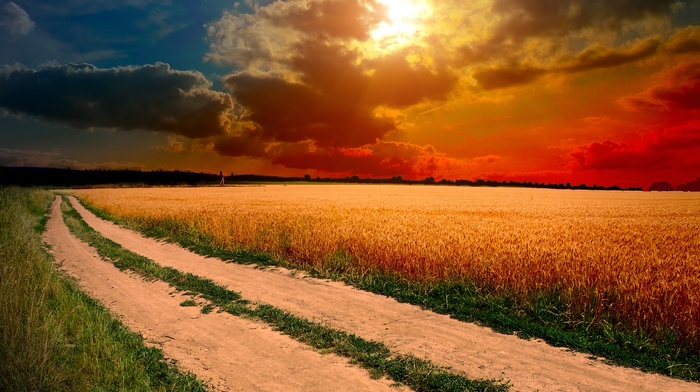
(603, 92)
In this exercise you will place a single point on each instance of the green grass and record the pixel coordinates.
(546, 317)
(52, 336)
(419, 374)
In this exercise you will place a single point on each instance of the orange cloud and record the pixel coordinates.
(330, 19)
(686, 40)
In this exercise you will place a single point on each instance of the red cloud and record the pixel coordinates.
(669, 148)
(383, 159)
(678, 89)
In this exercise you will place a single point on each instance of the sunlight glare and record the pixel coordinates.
(404, 21)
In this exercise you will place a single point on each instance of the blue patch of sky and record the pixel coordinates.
(688, 15)
(130, 33)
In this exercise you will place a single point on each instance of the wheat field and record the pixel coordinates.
(630, 255)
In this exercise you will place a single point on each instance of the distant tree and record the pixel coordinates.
(661, 186)
(692, 186)
(429, 180)
(307, 177)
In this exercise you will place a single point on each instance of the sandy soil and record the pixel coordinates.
(229, 352)
(475, 351)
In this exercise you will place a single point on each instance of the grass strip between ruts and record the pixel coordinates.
(466, 302)
(418, 374)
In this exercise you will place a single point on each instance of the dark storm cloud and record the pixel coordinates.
(335, 100)
(151, 97)
(495, 78)
(595, 57)
(528, 18)
(292, 112)
(553, 21)
(238, 146)
(686, 40)
(600, 57)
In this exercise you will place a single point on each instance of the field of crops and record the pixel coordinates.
(628, 255)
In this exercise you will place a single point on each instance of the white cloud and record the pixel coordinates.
(15, 19)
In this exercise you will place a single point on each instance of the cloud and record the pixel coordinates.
(686, 40)
(33, 158)
(315, 87)
(678, 88)
(601, 57)
(383, 159)
(240, 146)
(350, 19)
(676, 147)
(29, 158)
(165, 27)
(520, 41)
(150, 97)
(531, 18)
(15, 19)
(380, 159)
(290, 112)
(502, 77)
(396, 82)
(173, 144)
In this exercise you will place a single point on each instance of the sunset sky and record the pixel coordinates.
(602, 92)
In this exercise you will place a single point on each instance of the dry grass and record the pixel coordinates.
(634, 256)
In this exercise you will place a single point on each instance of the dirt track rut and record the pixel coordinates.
(230, 353)
(467, 348)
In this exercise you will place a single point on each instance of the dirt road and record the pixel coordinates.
(230, 353)
(475, 351)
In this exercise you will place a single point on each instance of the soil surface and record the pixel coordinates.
(475, 351)
(227, 352)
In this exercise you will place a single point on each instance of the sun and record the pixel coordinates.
(403, 23)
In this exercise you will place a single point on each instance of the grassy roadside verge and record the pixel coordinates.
(418, 374)
(54, 337)
(547, 317)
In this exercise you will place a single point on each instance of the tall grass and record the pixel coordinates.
(28, 333)
(52, 336)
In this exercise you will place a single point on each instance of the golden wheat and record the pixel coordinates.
(635, 256)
